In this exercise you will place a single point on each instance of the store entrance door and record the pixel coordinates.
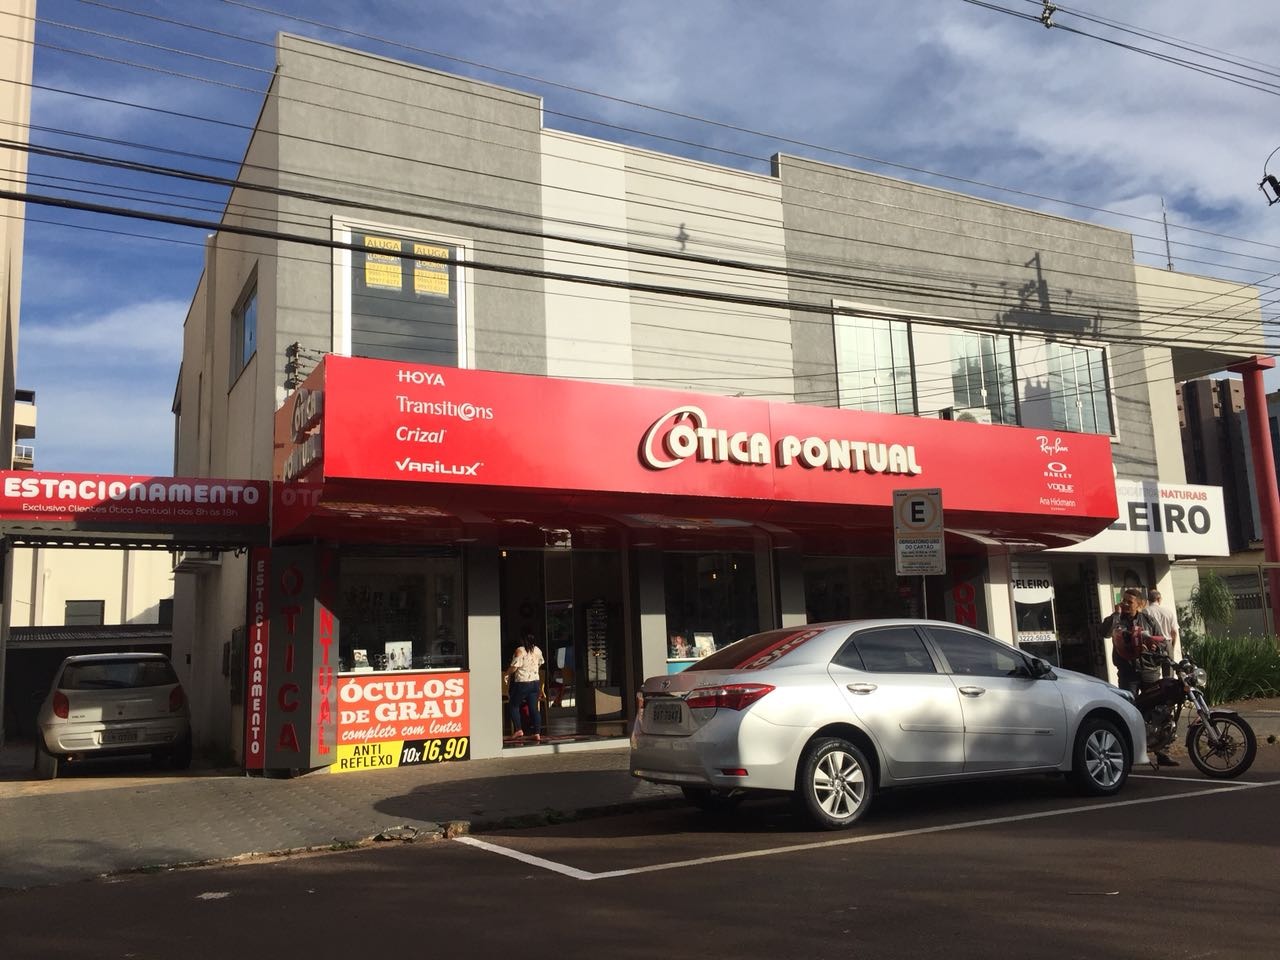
(571, 601)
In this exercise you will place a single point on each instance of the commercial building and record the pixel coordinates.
(508, 379)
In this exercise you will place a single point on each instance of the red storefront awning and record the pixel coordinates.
(374, 449)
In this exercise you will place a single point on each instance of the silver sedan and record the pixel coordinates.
(834, 712)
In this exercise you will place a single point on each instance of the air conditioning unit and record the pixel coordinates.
(195, 561)
(966, 414)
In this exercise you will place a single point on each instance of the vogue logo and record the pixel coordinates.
(683, 433)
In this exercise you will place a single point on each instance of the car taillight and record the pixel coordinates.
(61, 706)
(730, 696)
(176, 699)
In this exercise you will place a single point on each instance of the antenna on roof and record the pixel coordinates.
(1168, 253)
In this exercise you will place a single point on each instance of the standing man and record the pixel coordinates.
(1167, 620)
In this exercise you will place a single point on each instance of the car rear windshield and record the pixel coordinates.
(753, 653)
(117, 674)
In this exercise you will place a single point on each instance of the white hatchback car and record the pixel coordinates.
(833, 712)
(113, 703)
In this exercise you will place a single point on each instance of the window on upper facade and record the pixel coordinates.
(965, 371)
(1078, 388)
(911, 366)
(401, 297)
(244, 329)
(85, 613)
(1064, 386)
(873, 358)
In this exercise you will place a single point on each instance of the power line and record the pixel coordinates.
(1262, 86)
(991, 261)
(997, 261)
(640, 132)
(1121, 378)
(655, 289)
(840, 279)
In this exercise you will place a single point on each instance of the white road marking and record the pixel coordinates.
(577, 874)
(551, 865)
(214, 895)
(1175, 778)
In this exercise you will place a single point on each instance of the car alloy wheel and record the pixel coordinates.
(1100, 761)
(835, 783)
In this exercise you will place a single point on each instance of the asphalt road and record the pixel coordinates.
(1177, 866)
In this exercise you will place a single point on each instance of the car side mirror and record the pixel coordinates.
(1038, 668)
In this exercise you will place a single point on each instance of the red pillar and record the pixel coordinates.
(1264, 471)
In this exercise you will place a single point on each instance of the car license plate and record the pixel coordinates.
(666, 713)
(119, 736)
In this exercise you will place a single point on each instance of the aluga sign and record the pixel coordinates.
(687, 435)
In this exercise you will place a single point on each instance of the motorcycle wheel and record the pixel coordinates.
(1237, 746)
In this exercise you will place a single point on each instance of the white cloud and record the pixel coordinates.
(146, 332)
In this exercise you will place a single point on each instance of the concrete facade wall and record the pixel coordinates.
(225, 422)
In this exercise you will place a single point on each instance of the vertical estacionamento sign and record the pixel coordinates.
(255, 660)
(301, 714)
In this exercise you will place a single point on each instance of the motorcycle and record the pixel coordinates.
(1220, 743)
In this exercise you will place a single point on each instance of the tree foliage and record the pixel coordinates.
(1212, 600)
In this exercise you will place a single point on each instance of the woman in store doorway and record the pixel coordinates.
(525, 673)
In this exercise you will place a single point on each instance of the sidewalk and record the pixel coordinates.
(88, 824)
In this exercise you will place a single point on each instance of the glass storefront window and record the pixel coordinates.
(711, 601)
(400, 614)
(850, 588)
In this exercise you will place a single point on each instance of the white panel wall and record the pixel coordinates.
(583, 189)
(678, 206)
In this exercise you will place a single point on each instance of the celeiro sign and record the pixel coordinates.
(684, 432)
(1163, 519)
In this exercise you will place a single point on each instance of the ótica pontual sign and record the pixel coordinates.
(389, 421)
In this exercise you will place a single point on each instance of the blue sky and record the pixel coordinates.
(937, 91)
